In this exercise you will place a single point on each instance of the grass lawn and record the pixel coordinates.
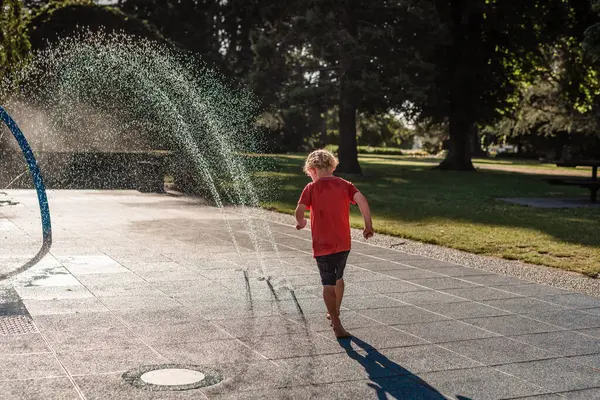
(409, 199)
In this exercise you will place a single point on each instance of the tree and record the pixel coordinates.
(32, 5)
(376, 49)
(65, 18)
(14, 43)
(192, 25)
(491, 48)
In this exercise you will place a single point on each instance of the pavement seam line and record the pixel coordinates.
(75, 385)
(453, 319)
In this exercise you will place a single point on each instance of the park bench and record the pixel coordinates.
(592, 184)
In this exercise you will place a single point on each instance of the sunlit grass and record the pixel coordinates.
(460, 210)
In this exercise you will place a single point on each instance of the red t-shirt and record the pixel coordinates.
(328, 200)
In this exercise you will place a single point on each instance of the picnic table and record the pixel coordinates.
(592, 184)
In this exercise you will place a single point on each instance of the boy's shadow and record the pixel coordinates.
(387, 377)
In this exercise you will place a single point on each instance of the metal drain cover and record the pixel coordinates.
(174, 377)
(16, 325)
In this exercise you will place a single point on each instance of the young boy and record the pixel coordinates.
(328, 198)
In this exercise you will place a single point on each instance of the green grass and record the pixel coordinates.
(409, 199)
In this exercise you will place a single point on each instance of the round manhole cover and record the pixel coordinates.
(172, 377)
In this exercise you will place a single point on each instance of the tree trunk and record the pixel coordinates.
(459, 155)
(322, 109)
(476, 148)
(460, 96)
(348, 152)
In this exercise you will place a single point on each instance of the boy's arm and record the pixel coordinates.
(300, 220)
(365, 210)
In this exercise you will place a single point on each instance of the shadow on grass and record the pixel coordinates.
(387, 377)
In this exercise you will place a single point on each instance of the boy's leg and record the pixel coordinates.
(339, 276)
(329, 297)
(339, 294)
(327, 269)
(331, 303)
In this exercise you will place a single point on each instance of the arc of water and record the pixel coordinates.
(40, 188)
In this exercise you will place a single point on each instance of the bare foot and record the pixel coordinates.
(341, 333)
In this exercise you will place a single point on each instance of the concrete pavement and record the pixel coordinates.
(140, 279)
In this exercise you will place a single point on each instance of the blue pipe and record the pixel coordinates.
(39, 187)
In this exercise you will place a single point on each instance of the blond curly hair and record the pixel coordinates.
(320, 159)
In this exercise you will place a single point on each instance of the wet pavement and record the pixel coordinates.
(137, 280)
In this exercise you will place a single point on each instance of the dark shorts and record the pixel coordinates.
(331, 267)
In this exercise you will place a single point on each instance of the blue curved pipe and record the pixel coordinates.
(40, 188)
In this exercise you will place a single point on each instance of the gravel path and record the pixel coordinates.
(529, 272)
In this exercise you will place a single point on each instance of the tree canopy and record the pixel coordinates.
(14, 42)
(61, 19)
(353, 71)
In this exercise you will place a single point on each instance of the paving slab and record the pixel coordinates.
(556, 375)
(428, 263)
(23, 344)
(585, 394)
(426, 297)
(466, 309)
(595, 311)
(524, 305)
(375, 301)
(117, 359)
(64, 306)
(292, 345)
(536, 290)
(391, 286)
(78, 321)
(542, 397)
(92, 339)
(339, 367)
(412, 273)
(403, 387)
(592, 360)
(497, 350)
(458, 271)
(570, 319)
(445, 331)
(210, 353)
(512, 325)
(29, 366)
(482, 293)
(425, 358)
(494, 280)
(35, 389)
(318, 323)
(563, 343)
(242, 378)
(481, 383)
(595, 332)
(112, 386)
(141, 279)
(402, 315)
(441, 283)
(267, 326)
(382, 337)
(572, 300)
